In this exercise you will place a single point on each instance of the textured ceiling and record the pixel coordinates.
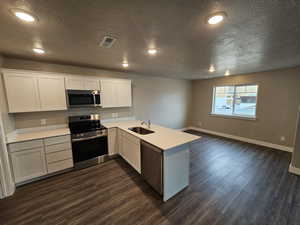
(258, 35)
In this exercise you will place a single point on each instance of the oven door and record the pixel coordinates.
(89, 148)
(79, 98)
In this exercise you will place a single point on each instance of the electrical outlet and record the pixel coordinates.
(200, 124)
(43, 121)
(282, 138)
(114, 115)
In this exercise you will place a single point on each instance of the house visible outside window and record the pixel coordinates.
(237, 100)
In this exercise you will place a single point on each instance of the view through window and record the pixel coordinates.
(238, 100)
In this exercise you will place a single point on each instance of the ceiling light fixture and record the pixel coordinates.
(216, 18)
(227, 73)
(24, 15)
(125, 64)
(152, 51)
(39, 50)
(212, 69)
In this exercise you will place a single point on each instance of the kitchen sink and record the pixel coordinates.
(141, 130)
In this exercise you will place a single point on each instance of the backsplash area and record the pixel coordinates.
(37, 119)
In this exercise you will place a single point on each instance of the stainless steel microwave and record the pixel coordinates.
(83, 98)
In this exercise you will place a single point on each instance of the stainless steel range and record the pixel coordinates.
(89, 140)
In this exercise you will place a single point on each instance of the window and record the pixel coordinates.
(238, 100)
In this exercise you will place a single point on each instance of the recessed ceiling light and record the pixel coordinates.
(39, 50)
(216, 18)
(152, 51)
(125, 64)
(227, 73)
(24, 15)
(212, 69)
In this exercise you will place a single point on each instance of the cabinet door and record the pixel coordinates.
(75, 84)
(52, 93)
(120, 141)
(28, 164)
(22, 93)
(112, 141)
(91, 85)
(123, 89)
(108, 94)
(131, 153)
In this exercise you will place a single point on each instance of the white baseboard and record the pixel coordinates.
(294, 170)
(248, 140)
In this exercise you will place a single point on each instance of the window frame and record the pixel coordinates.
(237, 116)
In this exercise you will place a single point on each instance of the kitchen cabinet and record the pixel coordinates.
(22, 92)
(130, 150)
(31, 91)
(58, 153)
(116, 93)
(82, 84)
(112, 141)
(124, 97)
(28, 160)
(108, 94)
(52, 100)
(33, 159)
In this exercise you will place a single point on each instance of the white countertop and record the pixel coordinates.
(163, 138)
(38, 133)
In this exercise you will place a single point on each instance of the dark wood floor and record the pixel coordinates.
(231, 183)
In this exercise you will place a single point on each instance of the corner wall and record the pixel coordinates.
(278, 102)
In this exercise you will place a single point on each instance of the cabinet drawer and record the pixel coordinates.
(57, 140)
(57, 147)
(58, 156)
(25, 145)
(61, 165)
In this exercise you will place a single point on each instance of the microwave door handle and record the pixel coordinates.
(94, 98)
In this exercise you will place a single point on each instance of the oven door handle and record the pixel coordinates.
(87, 138)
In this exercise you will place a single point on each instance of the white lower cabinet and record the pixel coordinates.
(112, 141)
(58, 153)
(130, 149)
(28, 164)
(32, 159)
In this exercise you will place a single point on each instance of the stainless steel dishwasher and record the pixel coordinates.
(152, 166)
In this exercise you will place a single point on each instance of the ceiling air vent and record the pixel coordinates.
(108, 41)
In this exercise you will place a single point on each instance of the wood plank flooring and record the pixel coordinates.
(231, 183)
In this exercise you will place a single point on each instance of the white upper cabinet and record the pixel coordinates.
(82, 84)
(92, 85)
(124, 93)
(108, 94)
(22, 92)
(116, 93)
(31, 91)
(50, 99)
(74, 84)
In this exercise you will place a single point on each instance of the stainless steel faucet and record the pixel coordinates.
(148, 124)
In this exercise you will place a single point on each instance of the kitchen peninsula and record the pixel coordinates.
(161, 155)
